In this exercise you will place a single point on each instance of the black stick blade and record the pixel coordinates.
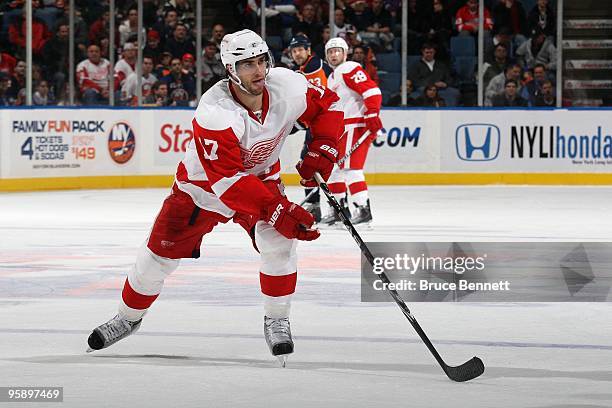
(466, 371)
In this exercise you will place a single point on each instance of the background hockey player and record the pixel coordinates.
(360, 99)
(231, 172)
(316, 72)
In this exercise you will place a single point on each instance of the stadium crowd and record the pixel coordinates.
(520, 53)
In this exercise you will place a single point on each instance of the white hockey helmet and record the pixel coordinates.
(241, 45)
(336, 42)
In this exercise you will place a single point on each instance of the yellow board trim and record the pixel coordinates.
(103, 182)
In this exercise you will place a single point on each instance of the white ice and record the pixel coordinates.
(64, 255)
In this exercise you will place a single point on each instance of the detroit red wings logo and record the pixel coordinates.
(260, 151)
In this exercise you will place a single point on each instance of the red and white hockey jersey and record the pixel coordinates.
(123, 70)
(233, 151)
(92, 76)
(358, 93)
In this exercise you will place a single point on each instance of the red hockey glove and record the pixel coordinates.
(373, 123)
(320, 158)
(291, 220)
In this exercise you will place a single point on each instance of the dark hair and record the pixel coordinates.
(540, 65)
(427, 45)
(510, 66)
(503, 45)
(511, 81)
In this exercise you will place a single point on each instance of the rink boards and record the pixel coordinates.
(113, 148)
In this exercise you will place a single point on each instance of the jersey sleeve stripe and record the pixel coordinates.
(223, 184)
(371, 92)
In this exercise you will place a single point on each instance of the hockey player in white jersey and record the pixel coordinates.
(231, 171)
(360, 99)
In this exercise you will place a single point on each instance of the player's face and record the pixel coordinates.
(335, 56)
(300, 55)
(252, 73)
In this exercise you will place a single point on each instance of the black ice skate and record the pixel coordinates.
(111, 332)
(363, 215)
(333, 220)
(278, 336)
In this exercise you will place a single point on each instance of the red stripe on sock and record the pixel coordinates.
(134, 299)
(277, 285)
(337, 188)
(358, 187)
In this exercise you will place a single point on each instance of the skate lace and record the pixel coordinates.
(115, 329)
(278, 326)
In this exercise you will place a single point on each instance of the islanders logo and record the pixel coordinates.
(121, 142)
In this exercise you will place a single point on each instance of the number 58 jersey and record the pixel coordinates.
(235, 150)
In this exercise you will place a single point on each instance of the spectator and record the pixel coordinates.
(180, 43)
(547, 97)
(128, 91)
(7, 63)
(542, 16)
(308, 25)
(537, 50)
(511, 14)
(166, 27)
(319, 50)
(55, 53)
(80, 28)
(280, 14)
(533, 88)
(153, 47)
(502, 36)
(163, 68)
(93, 76)
(42, 96)
(438, 28)
(498, 65)
(129, 28)
(356, 15)
(184, 10)
(126, 65)
(466, 19)
(428, 70)
(18, 81)
(188, 61)
(217, 34)
(99, 29)
(509, 97)
(378, 31)
(416, 29)
(5, 83)
(498, 83)
(181, 87)
(359, 55)
(396, 98)
(17, 35)
(340, 24)
(430, 98)
(212, 68)
(158, 96)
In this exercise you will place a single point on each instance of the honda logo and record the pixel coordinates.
(477, 142)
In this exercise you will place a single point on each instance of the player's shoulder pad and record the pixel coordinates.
(218, 111)
(348, 66)
(283, 81)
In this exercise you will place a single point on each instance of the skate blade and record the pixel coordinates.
(89, 350)
(282, 360)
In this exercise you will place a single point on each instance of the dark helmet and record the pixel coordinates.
(299, 40)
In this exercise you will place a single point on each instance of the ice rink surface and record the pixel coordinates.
(64, 255)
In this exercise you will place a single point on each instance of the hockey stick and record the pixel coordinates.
(344, 158)
(466, 371)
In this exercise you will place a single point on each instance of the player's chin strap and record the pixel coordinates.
(238, 82)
